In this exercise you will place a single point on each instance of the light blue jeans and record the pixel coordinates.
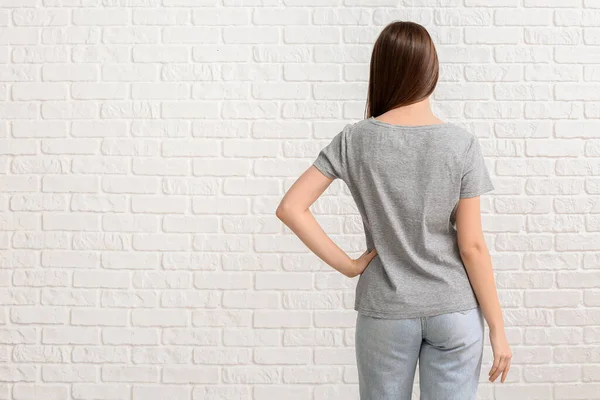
(448, 348)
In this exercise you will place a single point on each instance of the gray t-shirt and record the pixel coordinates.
(406, 182)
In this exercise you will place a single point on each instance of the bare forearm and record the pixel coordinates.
(478, 264)
(308, 230)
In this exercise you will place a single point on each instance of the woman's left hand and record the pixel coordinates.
(361, 263)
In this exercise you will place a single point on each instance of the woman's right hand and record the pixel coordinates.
(502, 355)
(360, 264)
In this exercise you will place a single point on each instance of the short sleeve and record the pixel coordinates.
(475, 177)
(331, 159)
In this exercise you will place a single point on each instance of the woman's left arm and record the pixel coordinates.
(294, 211)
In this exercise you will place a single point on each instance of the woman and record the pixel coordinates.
(426, 280)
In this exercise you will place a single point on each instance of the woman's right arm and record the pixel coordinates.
(478, 264)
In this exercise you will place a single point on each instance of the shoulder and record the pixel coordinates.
(351, 127)
(356, 128)
(458, 138)
(459, 133)
(347, 131)
(358, 123)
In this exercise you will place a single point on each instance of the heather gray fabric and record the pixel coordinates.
(406, 182)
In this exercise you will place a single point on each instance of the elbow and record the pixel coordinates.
(282, 211)
(473, 250)
(279, 212)
(287, 210)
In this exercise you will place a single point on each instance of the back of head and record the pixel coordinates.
(404, 67)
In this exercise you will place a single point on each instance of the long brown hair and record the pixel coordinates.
(404, 67)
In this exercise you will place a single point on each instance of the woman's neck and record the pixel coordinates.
(413, 114)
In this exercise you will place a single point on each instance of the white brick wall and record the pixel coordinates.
(144, 146)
